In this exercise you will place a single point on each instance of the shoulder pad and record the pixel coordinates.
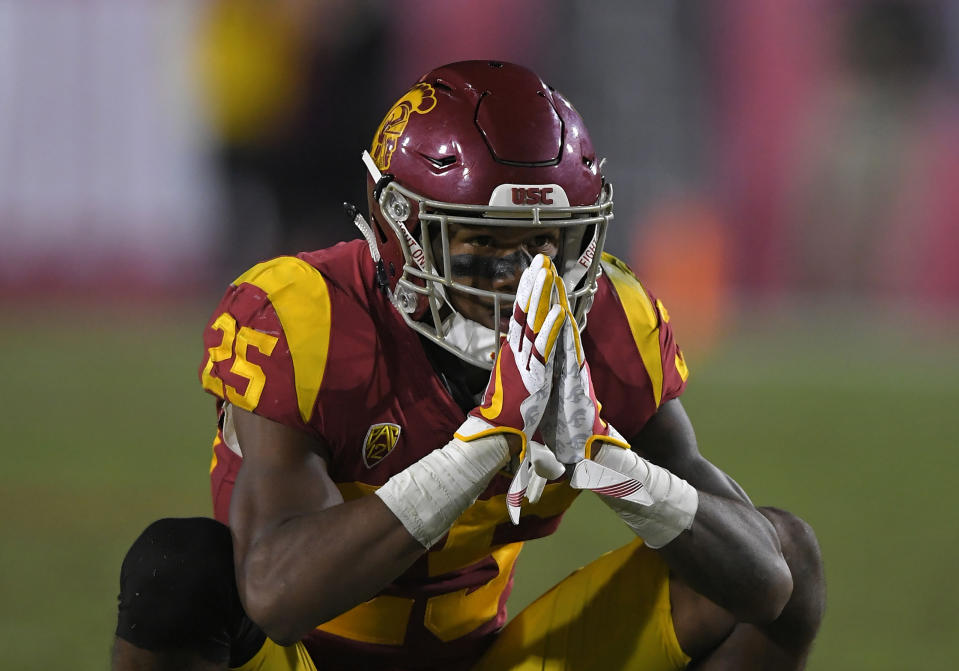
(648, 324)
(281, 309)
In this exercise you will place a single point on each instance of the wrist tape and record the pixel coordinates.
(674, 505)
(430, 494)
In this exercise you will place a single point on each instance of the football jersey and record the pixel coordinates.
(312, 342)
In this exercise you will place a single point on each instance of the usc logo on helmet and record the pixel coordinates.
(532, 195)
(380, 441)
(419, 99)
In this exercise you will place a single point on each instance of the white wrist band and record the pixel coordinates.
(674, 505)
(430, 494)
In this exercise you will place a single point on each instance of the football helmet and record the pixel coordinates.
(489, 144)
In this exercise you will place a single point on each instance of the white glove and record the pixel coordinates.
(594, 476)
(519, 386)
(538, 466)
(578, 424)
(654, 502)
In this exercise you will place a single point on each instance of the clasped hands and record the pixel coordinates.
(541, 390)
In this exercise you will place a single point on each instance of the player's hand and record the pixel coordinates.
(601, 479)
(519, 386)
(538, 466)
(579, 427)
(580, 431)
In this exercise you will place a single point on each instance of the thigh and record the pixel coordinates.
(614, 613)
(275, 657)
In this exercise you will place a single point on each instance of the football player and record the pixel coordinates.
(399, 413)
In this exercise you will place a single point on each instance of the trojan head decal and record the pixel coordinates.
(418, 100)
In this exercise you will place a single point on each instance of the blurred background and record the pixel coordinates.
(787, 182)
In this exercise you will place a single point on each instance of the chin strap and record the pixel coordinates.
(367, 231)
(573, 275)
(474, 339)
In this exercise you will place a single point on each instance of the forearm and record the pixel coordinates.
(731, 555)
(717, 543)
(730, 552)
(302, 569)
(293, 577)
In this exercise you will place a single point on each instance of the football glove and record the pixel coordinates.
(654, 502)
(578, 424)
(519, 386)
(538, 466)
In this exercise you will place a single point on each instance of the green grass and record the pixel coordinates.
(848, 424)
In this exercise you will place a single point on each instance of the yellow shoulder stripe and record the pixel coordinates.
(642, 317)
(301, 299)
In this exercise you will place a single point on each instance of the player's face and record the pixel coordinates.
(493, 259)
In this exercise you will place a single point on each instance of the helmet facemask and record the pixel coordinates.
(422, 291)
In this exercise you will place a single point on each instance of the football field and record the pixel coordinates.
(847, 422)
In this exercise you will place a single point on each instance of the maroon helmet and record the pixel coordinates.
(484, 143)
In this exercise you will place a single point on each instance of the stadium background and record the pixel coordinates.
(785, 180)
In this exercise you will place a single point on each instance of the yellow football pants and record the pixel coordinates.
(275, 657)
(614, 613)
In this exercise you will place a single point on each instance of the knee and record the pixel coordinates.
(177, 587)
(802, 554)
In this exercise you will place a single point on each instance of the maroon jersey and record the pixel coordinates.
(310, 341)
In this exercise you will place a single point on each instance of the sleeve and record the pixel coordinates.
(636, 363)
(267, 343)
(675, 371)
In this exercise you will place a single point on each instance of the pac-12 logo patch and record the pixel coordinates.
(380, 441)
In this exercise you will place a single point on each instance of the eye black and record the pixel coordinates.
(482, 241)
(540, 241)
